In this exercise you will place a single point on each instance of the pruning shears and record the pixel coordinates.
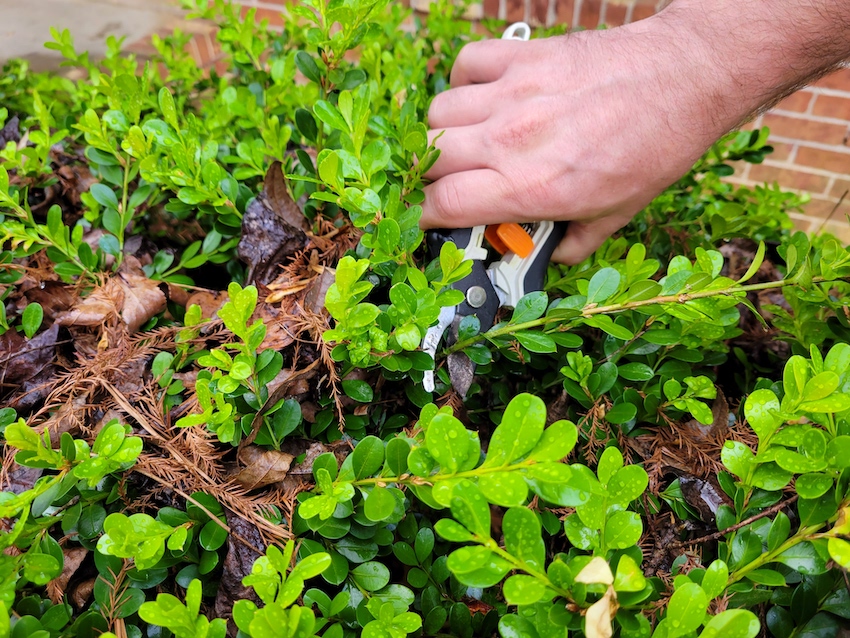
(508, 261)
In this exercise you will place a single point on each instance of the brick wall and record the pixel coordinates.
(810, 129)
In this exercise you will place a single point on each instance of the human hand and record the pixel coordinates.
(586, 128)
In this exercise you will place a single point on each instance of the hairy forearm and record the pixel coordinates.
(748, 54)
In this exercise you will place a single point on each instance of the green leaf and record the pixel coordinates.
(833, 403)
(41, 568)
(715, 579)
(166, 106)
(530, 307)
(523, 538)
(367, 457)
(523, 590)
(686, 609)
(31, 319)
(602, 285)
(813, 485)
(397, 451)
(621, 413)
(371, 575)
(469, 506)
(330, 115)
(610, 461)
(536, 341)
(104, 195)
(769, 577)
(780, 528)
(477, 566)
(507, 489)
(358, 390)
(737, 458)
(820, 386)
(629, 577)
(627, 484)
(212, 536)
(424, 544)
(622, 530)
(636, 372)
(448, 442)
(520, 430)
(755, 265)
(558, 484)
(762, 411)
(804, 558)
(452, 531)
(839, 551)
(307, 65)
(379, 504)
(732, 623)
(556, 443)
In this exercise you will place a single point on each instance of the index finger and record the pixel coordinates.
(484, 61)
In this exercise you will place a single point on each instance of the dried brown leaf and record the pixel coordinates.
(82, 593)
(262, 467)
(272, 230)
(143, 299)
(280, 200)
(95, 309)
(23, 359)
(210, 301)
(74, 557)
(280, 330)
(599, 616)
(129, 294)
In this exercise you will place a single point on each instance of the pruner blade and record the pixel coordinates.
(432, 340)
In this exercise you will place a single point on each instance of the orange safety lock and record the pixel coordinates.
(509, 237)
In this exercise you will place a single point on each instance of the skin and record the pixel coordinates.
(590, 127)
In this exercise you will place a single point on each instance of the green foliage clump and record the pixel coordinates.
(655, 445)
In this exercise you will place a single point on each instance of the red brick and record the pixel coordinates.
(615, 14)
(831, 106)
(825, 160)
(803, 129)
(207, 50)
(788, 178)
(839, 80)
(515, 10)
(589, 14)
(564, 11)
(642, 11)
(797, 102)
(781, 151)
(274, 17)
(838, 227)
(824, 208)
(539, 10)
(491, 8)
(841, 188)
(801, 222)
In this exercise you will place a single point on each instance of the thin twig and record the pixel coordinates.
(734, 528)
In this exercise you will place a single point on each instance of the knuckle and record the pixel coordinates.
(446, 201)
(518, 132)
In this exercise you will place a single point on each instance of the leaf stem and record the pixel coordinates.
(591, 310)
(803, 534)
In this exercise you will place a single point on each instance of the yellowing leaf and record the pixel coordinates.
(596, 571)
(597, 620)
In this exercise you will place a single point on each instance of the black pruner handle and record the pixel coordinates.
(535, 275)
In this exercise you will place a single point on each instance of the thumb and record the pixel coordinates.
(583, 238)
